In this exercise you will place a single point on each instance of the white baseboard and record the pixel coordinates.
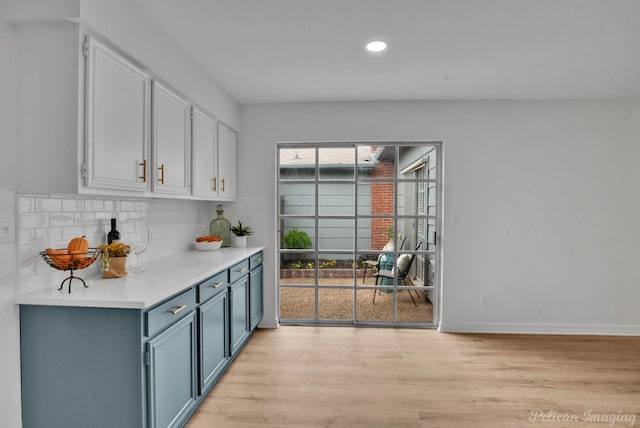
(534, 328)
(268, 324)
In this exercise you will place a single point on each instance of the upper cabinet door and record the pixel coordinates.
(117, 121)
(227, 141)
(171, 142)
(205, 145)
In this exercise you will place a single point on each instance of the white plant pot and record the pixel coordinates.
(238, 241)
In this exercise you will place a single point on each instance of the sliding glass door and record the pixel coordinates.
(358, 232)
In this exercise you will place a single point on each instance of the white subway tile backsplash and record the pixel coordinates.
(62, 219)
(49, 221)
(94, 205)
(127, 228)
(26, 236)
(72, 205)
(135, 215)
(55, 234)
(26, 204)
(84, 218)
(72, 232)
(141, 205)
(29, 221)
(45, 205)
(28, 256)
(103, 216)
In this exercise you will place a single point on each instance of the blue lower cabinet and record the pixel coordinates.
(213, 319)
(256, 311)
(172, 374)
(139, 368)
(239, 303)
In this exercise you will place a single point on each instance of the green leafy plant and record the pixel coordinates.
(297, 239)
(389, 234)
(240, 230)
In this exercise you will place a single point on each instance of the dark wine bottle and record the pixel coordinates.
(113, 235)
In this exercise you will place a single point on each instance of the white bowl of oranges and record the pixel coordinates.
(208, 242)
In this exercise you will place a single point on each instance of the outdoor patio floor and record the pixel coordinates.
(336, 304)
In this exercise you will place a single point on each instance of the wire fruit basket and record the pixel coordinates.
(60, 259)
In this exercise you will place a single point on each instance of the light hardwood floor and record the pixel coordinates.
(382, 377)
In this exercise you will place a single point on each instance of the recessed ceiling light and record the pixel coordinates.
(376, 46)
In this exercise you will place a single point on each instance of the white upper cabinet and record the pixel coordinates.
(171, 142)
(117, 121)
(227, 141)
(96, 122)
(205, 146)
(214, 158)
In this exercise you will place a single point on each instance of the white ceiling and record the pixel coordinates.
(312, 50)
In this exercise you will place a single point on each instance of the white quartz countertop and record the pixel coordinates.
(162, 278)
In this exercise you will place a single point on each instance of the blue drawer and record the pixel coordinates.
(170, 311)
(213, 286)
(255, 261)
(239, 270)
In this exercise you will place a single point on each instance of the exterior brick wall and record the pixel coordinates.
(381, 204)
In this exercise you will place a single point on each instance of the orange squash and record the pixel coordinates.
(86, 262)
(60, 258)
(78, 248)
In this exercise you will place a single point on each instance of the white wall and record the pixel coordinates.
(541, 210)
(9, 351)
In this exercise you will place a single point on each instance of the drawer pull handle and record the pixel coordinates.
(216, 285)
(178, 309)
(241, 270)
(259, 260)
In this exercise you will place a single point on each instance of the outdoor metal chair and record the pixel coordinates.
(403, 266)
(375, 264)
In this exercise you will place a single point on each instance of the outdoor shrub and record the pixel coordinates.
(297, 239)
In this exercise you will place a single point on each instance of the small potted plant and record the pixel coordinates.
(114, 259)
(240, 234)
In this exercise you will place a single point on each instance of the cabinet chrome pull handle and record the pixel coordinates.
(144, 171)
(161, 168)
(215, 183)
(178, 309)
(259, 260)
(222, 182)
(216, 285)
(241, 270)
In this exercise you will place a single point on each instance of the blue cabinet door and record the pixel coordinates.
(214, 339)
(255, 297)
(172, 374)
(239, 303)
